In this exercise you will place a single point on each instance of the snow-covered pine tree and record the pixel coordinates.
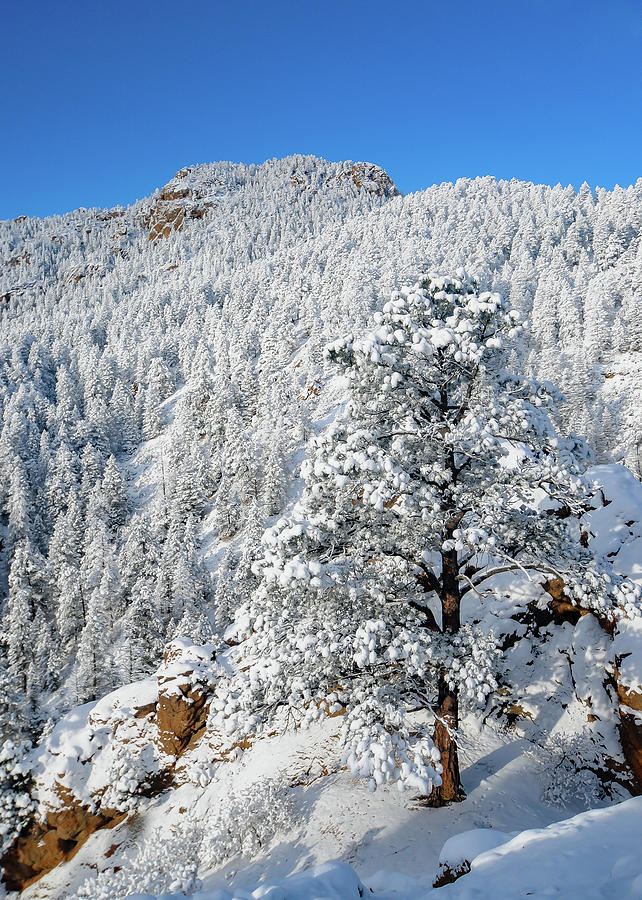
(16, 802)
(141, 645)
(444, 470)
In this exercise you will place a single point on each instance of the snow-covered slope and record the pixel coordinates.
(160, 375)
(146, 794)
(592, 856)
(271, 817)
(225, 285)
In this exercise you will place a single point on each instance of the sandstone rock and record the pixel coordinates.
(630, 706)
(177, 203)
(184, 691)
(448, 875)
(181, 718)
(371, 178)
(631, 739)
(183, 696)
(564, 610)
(43, 846)
(174, 193)
(629, 697)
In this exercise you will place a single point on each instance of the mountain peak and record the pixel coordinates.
(195, 189)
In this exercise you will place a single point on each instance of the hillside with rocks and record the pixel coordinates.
(222, 585)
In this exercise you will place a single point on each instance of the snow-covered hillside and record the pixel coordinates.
(226, 284)
(161, 375)
(141, 792)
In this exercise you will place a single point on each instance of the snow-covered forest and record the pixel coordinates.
(193, 405)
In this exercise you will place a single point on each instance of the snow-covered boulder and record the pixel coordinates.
(459, 851)
(596, 854)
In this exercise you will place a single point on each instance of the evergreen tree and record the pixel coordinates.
(114, 495)
(152, 419)
(27, 606)
(430, 484)
(141, 645)
(93, 675)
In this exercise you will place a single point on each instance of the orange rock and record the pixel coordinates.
(181, 718)
(631, 739)
(183, 696)
(43, 846)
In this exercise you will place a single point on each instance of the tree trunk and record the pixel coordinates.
(447, 712)
(447, 719)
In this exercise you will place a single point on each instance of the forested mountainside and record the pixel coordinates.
(214, 361)
(161, 372)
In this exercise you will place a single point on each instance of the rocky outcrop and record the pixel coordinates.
(448, 875)
(177, 202)
(561, 606)
(151, 723)
(630, 706)
(370, 178)
(44, 845)
(184, 690)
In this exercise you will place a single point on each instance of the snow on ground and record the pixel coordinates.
(340, 819)
(558, 689)
(596, 855)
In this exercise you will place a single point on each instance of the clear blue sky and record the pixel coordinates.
(101, 102)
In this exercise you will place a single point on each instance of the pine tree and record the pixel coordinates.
(27, 595)
(16, 802)
(430, 483)
(141, 645)
(92, 676)
(152, 419)
(115, 495)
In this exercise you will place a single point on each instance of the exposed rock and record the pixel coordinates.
(159, 727)
(564, 610)
(17, 260)
(174, 193)
(447, 875)
(44, 845)
(632, 698)
(370, 178)
(85, 270)
(631, 739)
(630, 706)
(177, 203)
(184, 691)
(181, 719)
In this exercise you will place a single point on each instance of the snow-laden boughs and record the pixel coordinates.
(381, 747)
(17, 805)
(444, 470)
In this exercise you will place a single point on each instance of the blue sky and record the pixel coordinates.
(102, 102)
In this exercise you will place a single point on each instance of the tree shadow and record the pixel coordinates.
(491, 764)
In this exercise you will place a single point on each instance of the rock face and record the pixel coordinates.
(631, 738)
(154, 727)
(192, 192)
(448, 875)
(627, 674)
(183, 695)
(370, 178)
(631, 728)
(177, 201)
(45, 845)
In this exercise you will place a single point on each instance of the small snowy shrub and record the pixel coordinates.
(165, 863)
(250, 819)
(129, 774)
(170, 860)
(567, 764)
